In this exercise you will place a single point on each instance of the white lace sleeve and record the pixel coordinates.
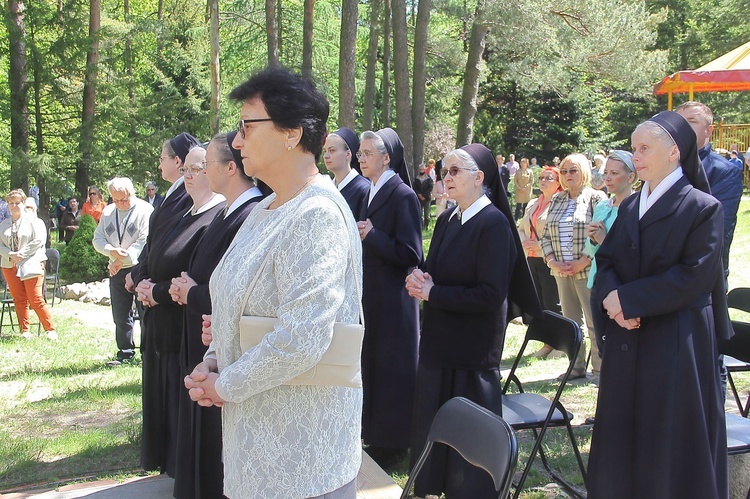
(309, 277)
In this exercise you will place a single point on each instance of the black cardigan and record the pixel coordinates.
(465, 316)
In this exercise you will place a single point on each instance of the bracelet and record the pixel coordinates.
(549, 261)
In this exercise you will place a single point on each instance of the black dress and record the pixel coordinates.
(168, 258)
(199, 472)
(162, 220)
(660, 428)
(462, 339)
(356, 193)
(390, 252)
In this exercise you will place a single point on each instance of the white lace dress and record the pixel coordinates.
(288, 441)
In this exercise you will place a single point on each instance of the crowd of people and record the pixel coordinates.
(631, 246)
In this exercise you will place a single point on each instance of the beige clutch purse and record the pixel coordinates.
(340, 364)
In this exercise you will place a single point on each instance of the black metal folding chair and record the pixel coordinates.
(737, 350)
(52, 273)
(536, 412)
(479, 435)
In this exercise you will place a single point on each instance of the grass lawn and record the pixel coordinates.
(68, 417)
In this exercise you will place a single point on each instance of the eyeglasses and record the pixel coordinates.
(366, 154)
(15, 203)
(241, 126)
(121, 200)
(572, 171)
(453, 171)
(93, 194)
(194, 170)
(550, 178)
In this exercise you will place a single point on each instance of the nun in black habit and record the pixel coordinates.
(391, 232)
(660, 429)
(340, 156)
(176, 203)
(475, 269)
(168, 257)
(199, 472)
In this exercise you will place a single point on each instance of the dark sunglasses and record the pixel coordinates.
(243, 123)
(453, 171)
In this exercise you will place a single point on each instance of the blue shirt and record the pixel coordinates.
(605, 212)
(725, 180)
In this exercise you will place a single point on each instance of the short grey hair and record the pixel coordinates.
(121, 184)
(376, 139)
(150, 184)
(657, 132)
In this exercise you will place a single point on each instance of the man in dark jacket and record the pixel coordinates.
(724, 178)
(152, 197)
(422, 186)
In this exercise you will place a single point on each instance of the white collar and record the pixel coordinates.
(216, 199)
(648, 198)
(174, 187)
(249, 194)
(472, 210)
(349, 177)
(374, 188)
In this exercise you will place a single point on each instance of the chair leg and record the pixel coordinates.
(734, 392)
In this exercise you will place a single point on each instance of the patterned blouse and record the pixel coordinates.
(582, 215)
(284, 441)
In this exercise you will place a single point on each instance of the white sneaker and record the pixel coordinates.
(51, 335)
(26, 334)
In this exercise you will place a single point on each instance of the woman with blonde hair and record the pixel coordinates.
(563, 241)
(22, 251)
(524, 182)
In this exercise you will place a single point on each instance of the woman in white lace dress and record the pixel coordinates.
(285, 441)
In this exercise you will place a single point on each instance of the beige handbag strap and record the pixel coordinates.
(268, 255)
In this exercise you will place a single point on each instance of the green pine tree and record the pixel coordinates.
(80, 262)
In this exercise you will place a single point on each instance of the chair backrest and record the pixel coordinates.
(53, 260)
(739, 298)
(482, 437)
(556, 331)
(738, 346)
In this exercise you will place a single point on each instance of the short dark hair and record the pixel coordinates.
(73, 198)
(291, 101)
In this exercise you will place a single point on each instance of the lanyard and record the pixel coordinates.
(124, 225)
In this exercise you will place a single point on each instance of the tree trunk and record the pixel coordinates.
(347, 61)
(307, 39)
(401, 79)
(468, 108)
(272, 41)
(129, 54)
(279, 31)
(386, 121)
(214, 116)
(372, 62)
(89, 99)
(420, 79)
(19, 95)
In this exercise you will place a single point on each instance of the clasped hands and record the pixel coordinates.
(116, 265)
(145, 292)
(614, 310)
(201, 384)
(364, 227)
(180, 288)
(419, 284)
(570, 268)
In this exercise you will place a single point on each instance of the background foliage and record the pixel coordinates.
(555, 77)
(80, 262)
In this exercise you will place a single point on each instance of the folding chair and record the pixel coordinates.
(52, 274)
(737, 350)
(536, 412)
(9, 307)
(480, 436)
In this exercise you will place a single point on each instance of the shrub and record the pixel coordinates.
(80, 262)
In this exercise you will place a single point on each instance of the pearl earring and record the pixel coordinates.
(288, 148)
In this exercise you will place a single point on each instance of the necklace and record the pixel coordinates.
(307, 182)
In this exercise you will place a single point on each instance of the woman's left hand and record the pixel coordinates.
(577, 266)
(15, 257)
